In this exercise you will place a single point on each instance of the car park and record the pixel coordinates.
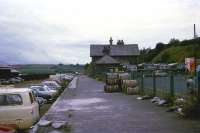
(19, 107)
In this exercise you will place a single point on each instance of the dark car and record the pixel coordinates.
(43, 92)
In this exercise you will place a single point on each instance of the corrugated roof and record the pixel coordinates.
(115, 50)
(107, 60)
(4, 66)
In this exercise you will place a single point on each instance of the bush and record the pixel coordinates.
(170, 99)
(190, 106)
(63, 84)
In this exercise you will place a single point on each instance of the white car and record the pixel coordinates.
(44, 92)
(18, 107)
(52, 84)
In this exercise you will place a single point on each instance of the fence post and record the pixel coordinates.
(171, 84)
(198, 85)
(142, 83)
(132, 75)
(154, 84)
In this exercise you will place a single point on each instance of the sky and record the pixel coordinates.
(60, 31)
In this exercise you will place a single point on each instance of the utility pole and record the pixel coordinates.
(195, 35)
(195, 52)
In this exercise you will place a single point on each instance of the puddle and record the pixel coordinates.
(86, 104)
(83, 102)
(102, 107)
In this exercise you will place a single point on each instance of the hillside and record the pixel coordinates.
(176, 54)
(174, 51)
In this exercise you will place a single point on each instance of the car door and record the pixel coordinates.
(10, 108)
(35, 106)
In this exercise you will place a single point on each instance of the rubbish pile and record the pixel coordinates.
(59, 125)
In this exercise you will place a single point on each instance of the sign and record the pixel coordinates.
(190, 64)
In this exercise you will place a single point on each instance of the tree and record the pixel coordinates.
(120, 42)
(174, 41)
(160, 46)
(86, 66)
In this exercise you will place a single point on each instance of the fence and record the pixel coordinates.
(166, 83)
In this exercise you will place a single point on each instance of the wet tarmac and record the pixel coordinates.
(89, 110)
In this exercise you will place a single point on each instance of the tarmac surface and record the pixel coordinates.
(89, 110)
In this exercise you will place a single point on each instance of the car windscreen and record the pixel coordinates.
(46, 88)
(10, 99)
(51, 84)
(41, 89)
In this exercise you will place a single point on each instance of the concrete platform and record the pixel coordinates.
(89, 110)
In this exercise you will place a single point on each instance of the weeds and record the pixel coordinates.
(190, 107)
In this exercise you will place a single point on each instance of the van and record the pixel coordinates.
(19, 107)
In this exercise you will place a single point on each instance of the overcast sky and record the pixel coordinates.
(53, 31)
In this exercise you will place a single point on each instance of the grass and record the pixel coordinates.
(176, 54)
(44, 108)
(64, 129)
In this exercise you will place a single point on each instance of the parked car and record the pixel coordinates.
(41, 100)
(44, 92)
(19, 107)
(14, 80)
(52, 84)
(68, 77)
(5, 82)
(20, 79)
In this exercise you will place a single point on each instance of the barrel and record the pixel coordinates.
(130, 83)
(112, 81)
(123, 76)
(111, 88)
(132, 91)
(112, 76)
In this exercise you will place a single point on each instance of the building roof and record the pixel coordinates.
(115, 50)
(107, 60)
(2, 66)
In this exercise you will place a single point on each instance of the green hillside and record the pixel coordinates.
(176, 54)
(174, 51)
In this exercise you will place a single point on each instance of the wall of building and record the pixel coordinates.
(5, 73)
(121, 59)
